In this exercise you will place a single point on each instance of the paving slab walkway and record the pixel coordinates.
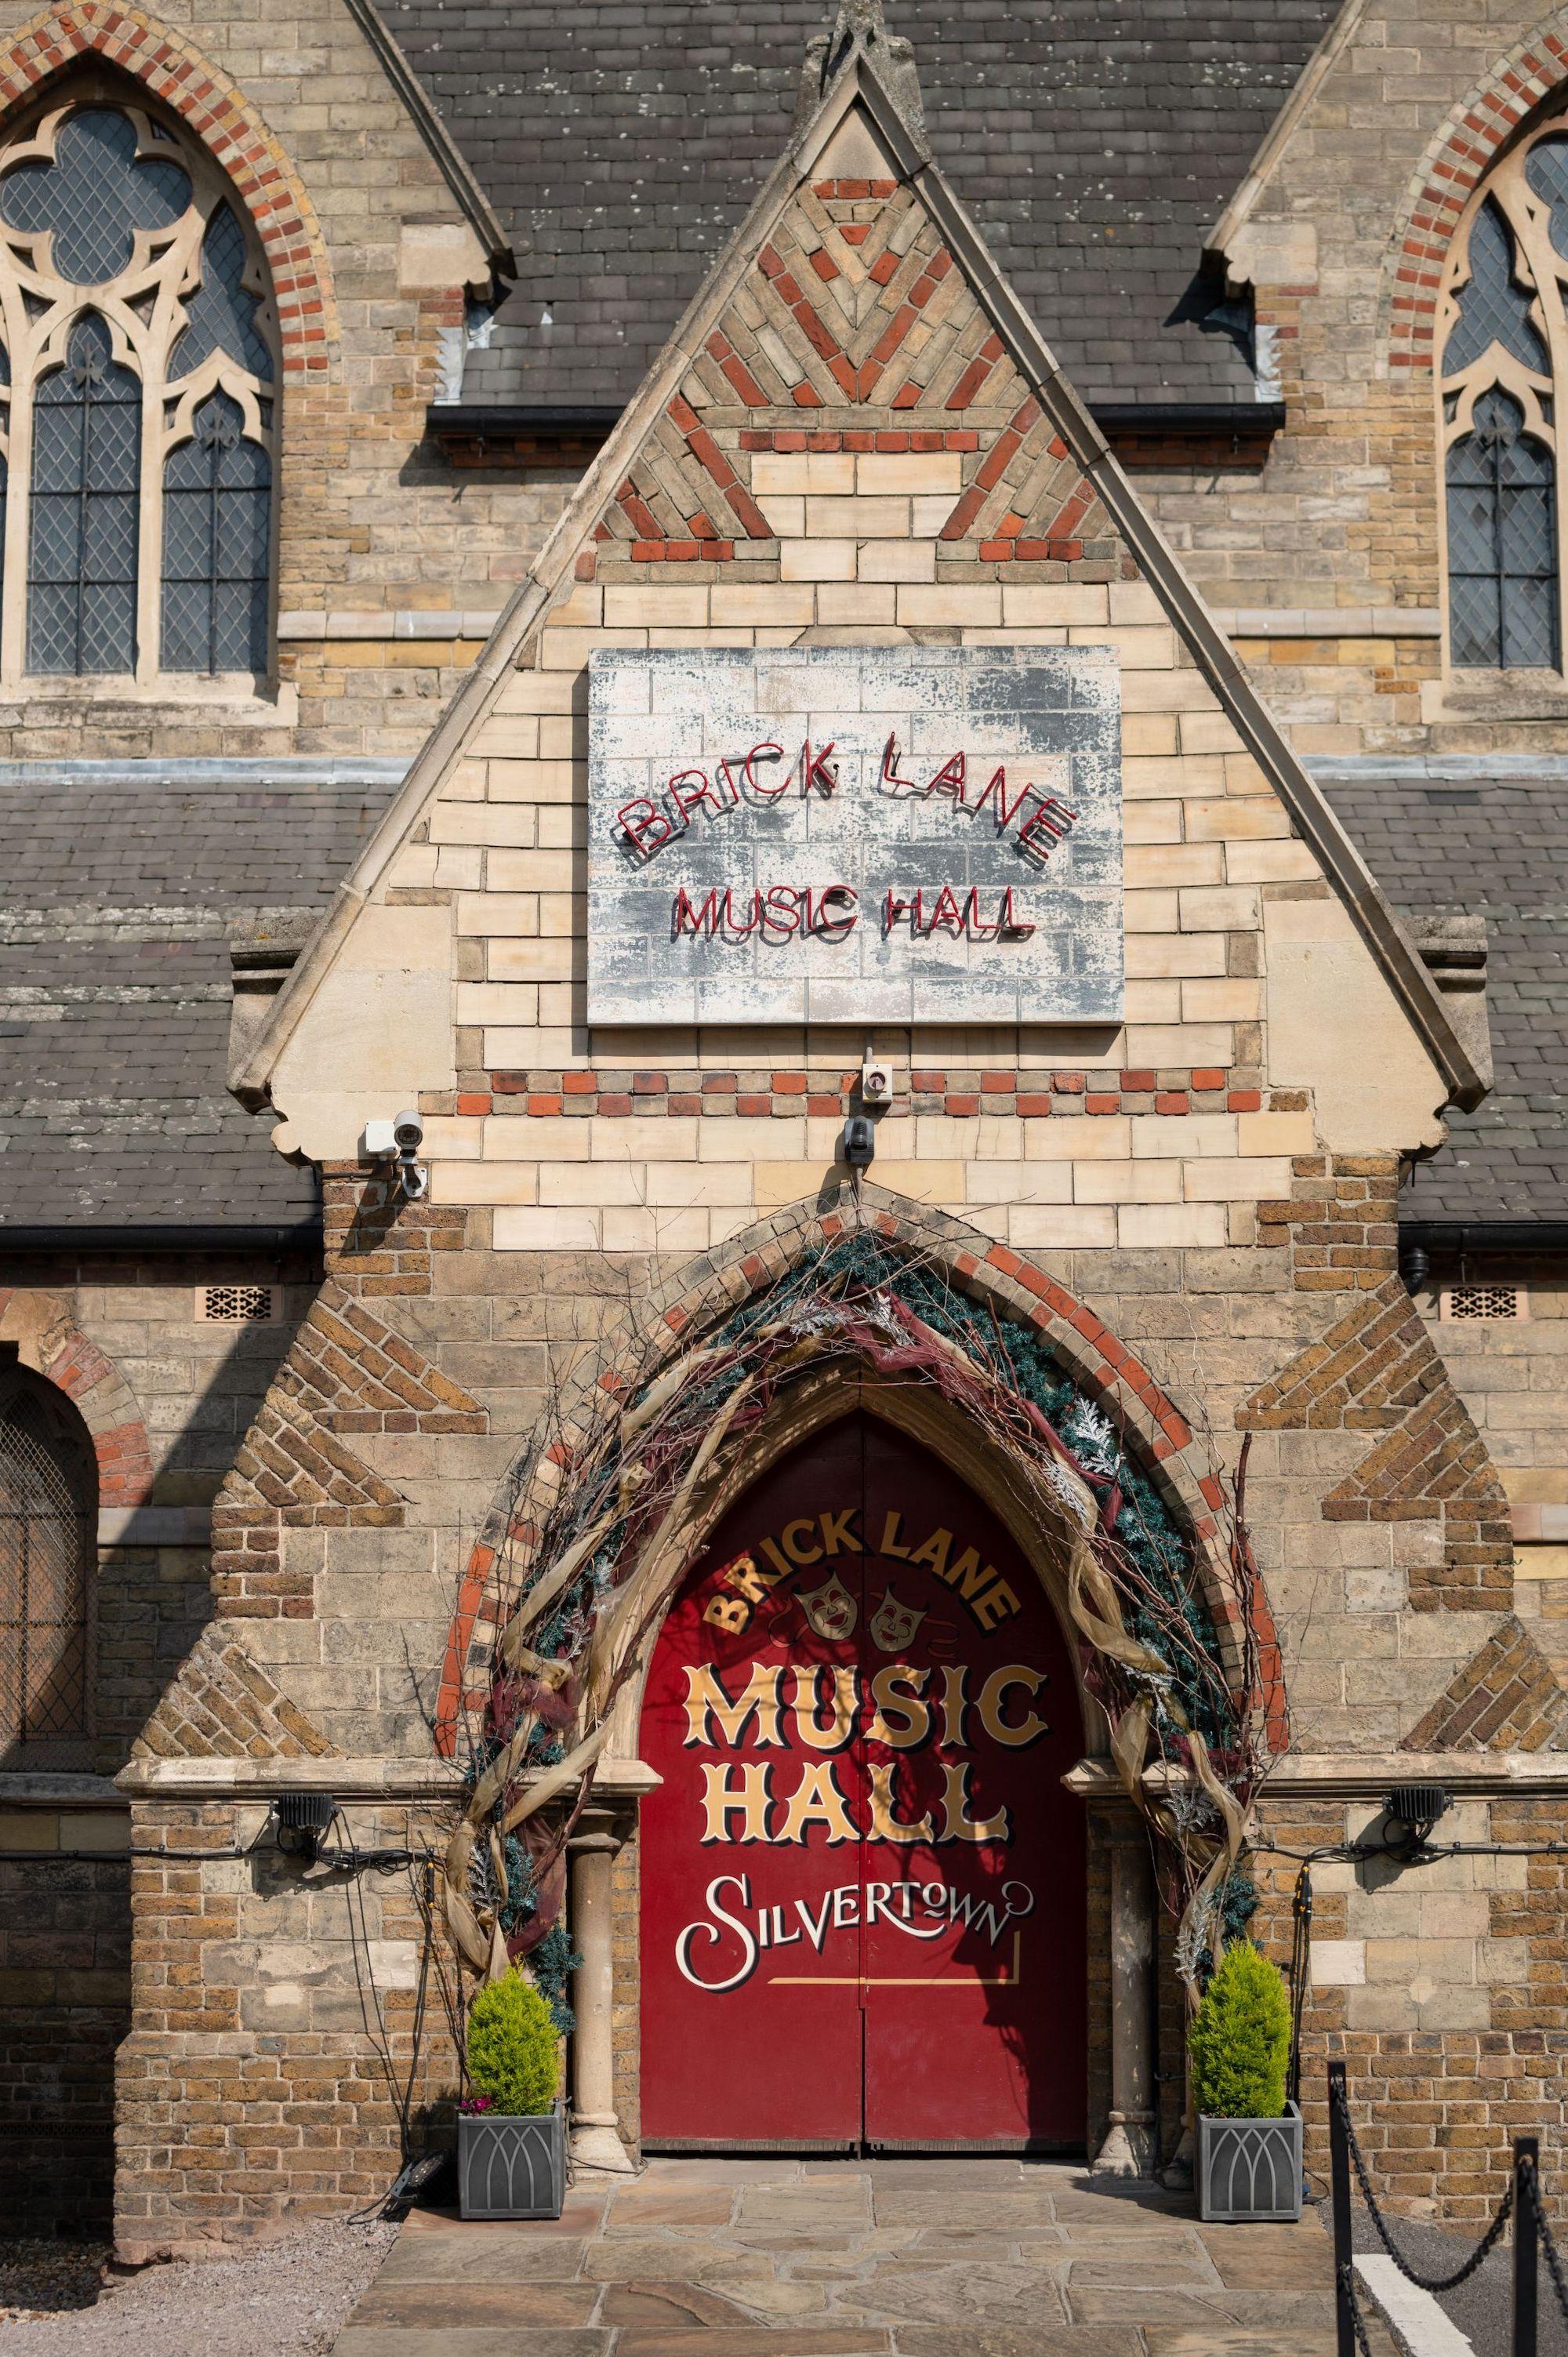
(858, 2258)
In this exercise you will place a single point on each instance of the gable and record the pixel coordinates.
(858, 436)
(854, 308)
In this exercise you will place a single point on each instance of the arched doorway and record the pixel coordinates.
(863, 1885)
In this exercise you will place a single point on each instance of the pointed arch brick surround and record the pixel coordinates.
(1102, 1366)
(1457, 160)
(55, 1347)
(231, 130)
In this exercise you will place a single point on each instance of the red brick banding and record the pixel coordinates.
(1033, 1096)
(96, 1389)
(231, 130)
(1454, 163)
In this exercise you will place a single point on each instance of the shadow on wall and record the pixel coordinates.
(90, 1637)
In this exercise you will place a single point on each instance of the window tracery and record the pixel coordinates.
(1502, 335)
(137, 403)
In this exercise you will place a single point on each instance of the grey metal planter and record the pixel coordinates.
(512, 2167)
(1248, 2168)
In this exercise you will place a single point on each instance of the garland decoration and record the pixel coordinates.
(1185, 1724)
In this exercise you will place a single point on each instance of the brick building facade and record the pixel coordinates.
(1273, 1198)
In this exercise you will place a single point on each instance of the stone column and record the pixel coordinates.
(1129, 2148)
(595, 2130)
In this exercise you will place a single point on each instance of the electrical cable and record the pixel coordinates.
(345, 1859)
(111, 1856)
(415, 2170)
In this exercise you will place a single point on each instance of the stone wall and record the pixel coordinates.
(65, 2002)
(1510, 1373)
(332, 1663)
(279, 2030)
(168, 1395)
(1440, 1988)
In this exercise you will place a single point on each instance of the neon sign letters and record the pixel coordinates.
(854, 834)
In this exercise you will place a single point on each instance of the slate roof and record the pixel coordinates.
(1497, 848)
(114, 987)
(1095, 141)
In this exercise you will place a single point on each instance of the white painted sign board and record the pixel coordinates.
(854, 834)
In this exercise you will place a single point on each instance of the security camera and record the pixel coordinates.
(384, 1141)
(397, 1141)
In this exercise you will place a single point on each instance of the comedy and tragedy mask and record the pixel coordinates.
(893, 1625)
(830, 1609)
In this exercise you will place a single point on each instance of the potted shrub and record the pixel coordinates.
(512, 2128)
(1249, 2138)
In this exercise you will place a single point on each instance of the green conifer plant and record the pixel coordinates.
(1240, 2038)
(514, 2047)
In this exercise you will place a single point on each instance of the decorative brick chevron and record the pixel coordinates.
(854, 330)
(220, 1705)
(1508, 1697)
(1375, 1370)
(354, 1374)
(347, 1371)
(685, 499)
(1371, 1368)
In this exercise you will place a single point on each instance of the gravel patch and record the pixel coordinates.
(288, 2299)
(1480, 2308)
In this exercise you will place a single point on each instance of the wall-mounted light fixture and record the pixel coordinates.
(303, 1821)
(1410, 1813)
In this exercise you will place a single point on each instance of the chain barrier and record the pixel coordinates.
(1350, 2301)
(1529, 2181)
(1425, 2283)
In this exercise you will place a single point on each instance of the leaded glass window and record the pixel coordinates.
(137, 403)
(1502, 552)
(217, 506)
(1502, 336)
(49, 1499)
(85, 490)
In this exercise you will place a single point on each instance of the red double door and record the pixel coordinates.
(862, 1883)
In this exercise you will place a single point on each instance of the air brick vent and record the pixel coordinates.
(1491, 1302)
(237, 1304)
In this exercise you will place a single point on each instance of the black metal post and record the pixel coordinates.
(1339, 2182)
(1526, 2243)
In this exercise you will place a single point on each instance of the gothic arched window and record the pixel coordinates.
(137, 403)
(48, 1530)
(1502, 336)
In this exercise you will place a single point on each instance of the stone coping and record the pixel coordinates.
(1365, 1775)
(1329, 623)
(1327, 1775)
(346, 1779)
(31, 1788)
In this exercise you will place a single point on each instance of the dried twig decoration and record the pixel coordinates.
(1184, 1723)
